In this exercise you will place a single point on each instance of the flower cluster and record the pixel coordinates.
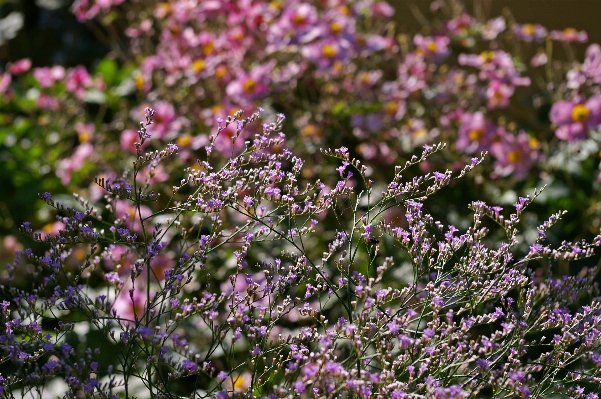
(228, 285)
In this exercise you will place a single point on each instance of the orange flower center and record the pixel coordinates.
(328, 51)
(184, 140)
(487, 56)
(391, 107)
(514, 157)
(208, 48)
(335, 28)
(198, 65)
(580, 113)
(249, 84)
(476, 134)
(432, 47)
(298, 19)
(528, 29)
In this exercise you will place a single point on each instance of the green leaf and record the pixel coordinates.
(109, 70)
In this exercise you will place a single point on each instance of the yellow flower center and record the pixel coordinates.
(220, 71)
(514, 157)
(570, 32)
(533, 143)
(580, 113)
(328, 51)
(528, 29)
(344, 10)
(249, 84)
(198, 65)
(84, 136)
(277, 4)
(487, 56)
(432, 47)
(420, 134)
(139, 80)
(391, 107)
(476, 134)
(310, 130)
(208, 48)
(298, 19)
(335, 28)
(165, 7)
(184, 140)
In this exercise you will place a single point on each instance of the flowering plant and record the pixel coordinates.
(245, 283)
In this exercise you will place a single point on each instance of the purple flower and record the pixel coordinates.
(476, 133)
(514, 154)
(573, 118)
(530, 32)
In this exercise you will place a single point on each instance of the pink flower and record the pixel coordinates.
(412, 73)
(128, 212)
(539, 59)
(514, 154)
(498, 94)
(47, 102)
(69, 165)
(251, 86)
(78, 79)
(460, 25)
(476, 133)
(573, 118)
(295, 21)
(435, 48)
(85, 131)
(46, 76)
(530, 32)
(128, 139)
(324, 53)
(569, 35)
(5, 80)
(591, 67)
(493, 27)
(20, 66)
(130, 309)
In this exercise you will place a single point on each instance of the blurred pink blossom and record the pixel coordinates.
(530, 32)
(78, 79)
(514, 155)
(476, 133)
(46, 76)
(5, 80)
(47, 102)
(435, 48)
(20, 66)
(572, 119)
(569, 35)
(67, 166)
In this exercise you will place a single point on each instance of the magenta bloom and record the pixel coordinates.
(73, 164)
(514, 154)
(498, 94)
(493, 27)
(435, 48)
(476, 133)
(530, 32)
(20, 66)
(296, 21)
(573, 118)
(412, 73)
(569, 35)
(78, 79)
(324, 53)
(247, 87)
(47, 76)
(5, 80)
(591, 67)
